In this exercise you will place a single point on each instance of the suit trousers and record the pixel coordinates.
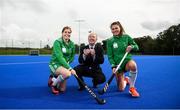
(96, 74)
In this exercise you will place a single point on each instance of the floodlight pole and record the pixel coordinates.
(79, 24)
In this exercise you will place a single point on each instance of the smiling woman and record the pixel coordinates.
(119, 44)
(62, 55)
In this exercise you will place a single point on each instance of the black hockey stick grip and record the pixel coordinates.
(106, 85)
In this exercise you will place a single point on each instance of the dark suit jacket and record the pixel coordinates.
(99, 57)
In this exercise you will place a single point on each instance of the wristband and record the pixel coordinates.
(113, 67)
(132, 46)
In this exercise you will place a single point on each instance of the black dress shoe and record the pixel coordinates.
(81, 88)
(94, 85)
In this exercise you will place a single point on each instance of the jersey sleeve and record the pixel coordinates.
(133, 44)
(110, 53)
(72, 54)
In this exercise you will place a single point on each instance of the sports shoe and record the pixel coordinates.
(95, 85)
(127, 80)
(54, 90)
(133, 92)
(81, 88)
(50, 82)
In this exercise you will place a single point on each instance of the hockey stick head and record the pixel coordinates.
(101, 101)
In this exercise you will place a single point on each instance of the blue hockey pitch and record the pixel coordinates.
(23, 85)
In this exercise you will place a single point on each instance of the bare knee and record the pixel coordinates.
(64, 72)
(68, 74)
(132, 66)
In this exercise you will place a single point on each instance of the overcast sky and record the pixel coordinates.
(43, 20)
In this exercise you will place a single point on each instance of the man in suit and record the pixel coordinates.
(90, 58)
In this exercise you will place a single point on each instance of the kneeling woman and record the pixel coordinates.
(117, 45)
(63, 54)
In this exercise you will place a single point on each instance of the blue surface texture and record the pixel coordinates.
(23, 85)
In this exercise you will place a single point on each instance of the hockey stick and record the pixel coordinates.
(100, 101)
(112, 76)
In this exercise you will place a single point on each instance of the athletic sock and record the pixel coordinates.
(56, 80)
(132, 78)
(125, 83)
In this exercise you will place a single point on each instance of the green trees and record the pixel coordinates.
(146, 44)
(169, 40)
(166, 42)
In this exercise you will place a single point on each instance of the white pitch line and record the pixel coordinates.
(22, 63)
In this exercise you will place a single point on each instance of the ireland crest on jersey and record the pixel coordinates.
(115, 45)
(64, 50)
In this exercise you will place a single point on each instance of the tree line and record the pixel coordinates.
(167, 42)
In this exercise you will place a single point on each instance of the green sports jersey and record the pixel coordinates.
(116, 48)
(63, 53)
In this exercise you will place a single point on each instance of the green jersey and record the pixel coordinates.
(62, 54)
(116, 48)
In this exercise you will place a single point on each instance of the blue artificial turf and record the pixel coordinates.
(23, 84)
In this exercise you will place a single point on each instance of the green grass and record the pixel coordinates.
(22, 51)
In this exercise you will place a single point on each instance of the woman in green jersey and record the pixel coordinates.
(62, 55)
(117, 46)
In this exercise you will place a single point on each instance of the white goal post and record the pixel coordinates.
(34, 52)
